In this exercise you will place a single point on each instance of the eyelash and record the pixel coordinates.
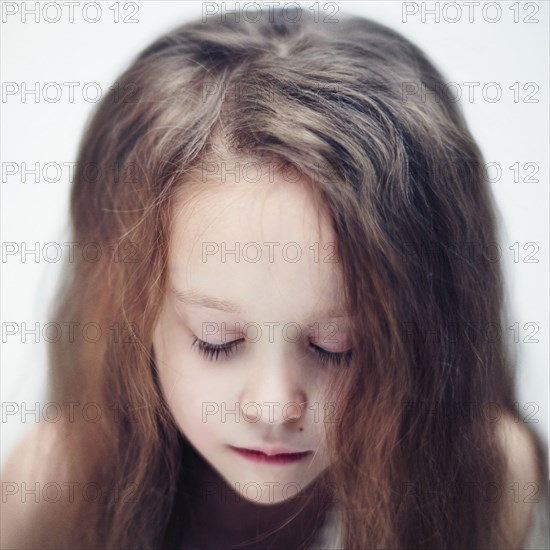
(212, 352)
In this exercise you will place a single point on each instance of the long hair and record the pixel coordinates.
(361, 112)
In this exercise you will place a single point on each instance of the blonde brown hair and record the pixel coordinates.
(403, 182)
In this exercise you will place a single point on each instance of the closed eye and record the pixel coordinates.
(330, 357)
(212, 352)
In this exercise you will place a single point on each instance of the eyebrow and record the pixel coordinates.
(195, 298)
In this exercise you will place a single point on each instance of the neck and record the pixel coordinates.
(221, 517)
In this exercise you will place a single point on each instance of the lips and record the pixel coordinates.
(271, 451)
(275, 455)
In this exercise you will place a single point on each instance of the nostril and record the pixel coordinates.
(292, 411)
(250, 412)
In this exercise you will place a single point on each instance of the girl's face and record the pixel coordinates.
(251, 275)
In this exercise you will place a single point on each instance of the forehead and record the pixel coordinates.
(263, 245)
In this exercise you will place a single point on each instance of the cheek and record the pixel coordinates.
(189, 386)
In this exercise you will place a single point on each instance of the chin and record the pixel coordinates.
(269, 490)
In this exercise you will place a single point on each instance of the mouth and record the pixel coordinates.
(270, 457)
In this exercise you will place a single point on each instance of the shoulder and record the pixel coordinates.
(27, 472)
(522, 482)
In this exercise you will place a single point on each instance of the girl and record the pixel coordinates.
(292, 289)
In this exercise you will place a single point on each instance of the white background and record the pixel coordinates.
(497, 46)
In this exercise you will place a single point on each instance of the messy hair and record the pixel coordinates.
(403, 183)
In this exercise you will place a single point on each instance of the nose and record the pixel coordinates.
(274, 394)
